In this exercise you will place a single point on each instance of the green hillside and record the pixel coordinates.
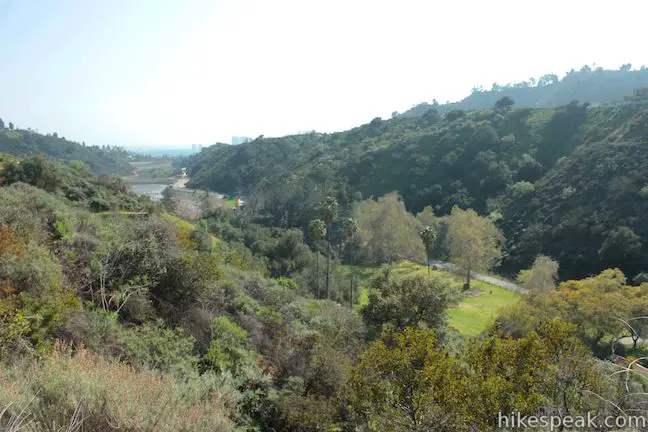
(489, 160)
(101, 160)
(114, 308)
(589, 211)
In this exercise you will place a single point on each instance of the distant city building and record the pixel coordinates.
(193, 147)
(236, 140)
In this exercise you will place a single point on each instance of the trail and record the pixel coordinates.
(480, 277)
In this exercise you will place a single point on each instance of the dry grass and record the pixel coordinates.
(84, 392)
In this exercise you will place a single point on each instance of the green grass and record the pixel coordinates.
(230, 203)
(363, 276)
(470, 317)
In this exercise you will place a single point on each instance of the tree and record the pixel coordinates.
(388, 232)
(604, 308)
(329, 209)
(79, 167)
(428, 236)
(431, 116)
(638, 94)
(317, 231)
(427, 217)
(542, 277)
(595, 304)
(455, 114)
(350, 230)
(474, 242)
(621, 248)
(504, 103)
(411, 301)
(2, 124)
(409, 385)
(409, 382)
(626, 67)
(546, 370)
(11, 126)
(185, 280)
(548, 79)
(37, 171)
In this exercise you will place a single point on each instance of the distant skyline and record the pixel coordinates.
(168, 73)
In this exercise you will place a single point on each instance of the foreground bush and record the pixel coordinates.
(84, 392)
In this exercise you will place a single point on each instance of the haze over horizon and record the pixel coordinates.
(161, 73)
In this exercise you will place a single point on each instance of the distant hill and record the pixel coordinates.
(492, 160)
(593, 86)
(101, 160)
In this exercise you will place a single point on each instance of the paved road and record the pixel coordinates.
(485, 278)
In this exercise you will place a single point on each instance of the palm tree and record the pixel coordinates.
(329, 209)
(317, 231)
(428, 235)
(350, 229)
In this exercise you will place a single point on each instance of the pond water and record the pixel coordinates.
(154, 191)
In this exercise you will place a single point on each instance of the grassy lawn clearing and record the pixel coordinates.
(470, 317)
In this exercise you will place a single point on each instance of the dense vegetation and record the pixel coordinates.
(73, 183)
(26, 142)
(592, 85)
(126, 316)
(588, 211)
(311, 308)
(559, 181)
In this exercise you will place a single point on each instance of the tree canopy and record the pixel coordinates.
(387, 231)
(474, 242)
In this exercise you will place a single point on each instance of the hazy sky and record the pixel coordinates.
(176, 72)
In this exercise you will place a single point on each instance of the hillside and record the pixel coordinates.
(139, 319)
(71, 184)
(593, 86)
(106, 160)
(588, 211)
(478, 159)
